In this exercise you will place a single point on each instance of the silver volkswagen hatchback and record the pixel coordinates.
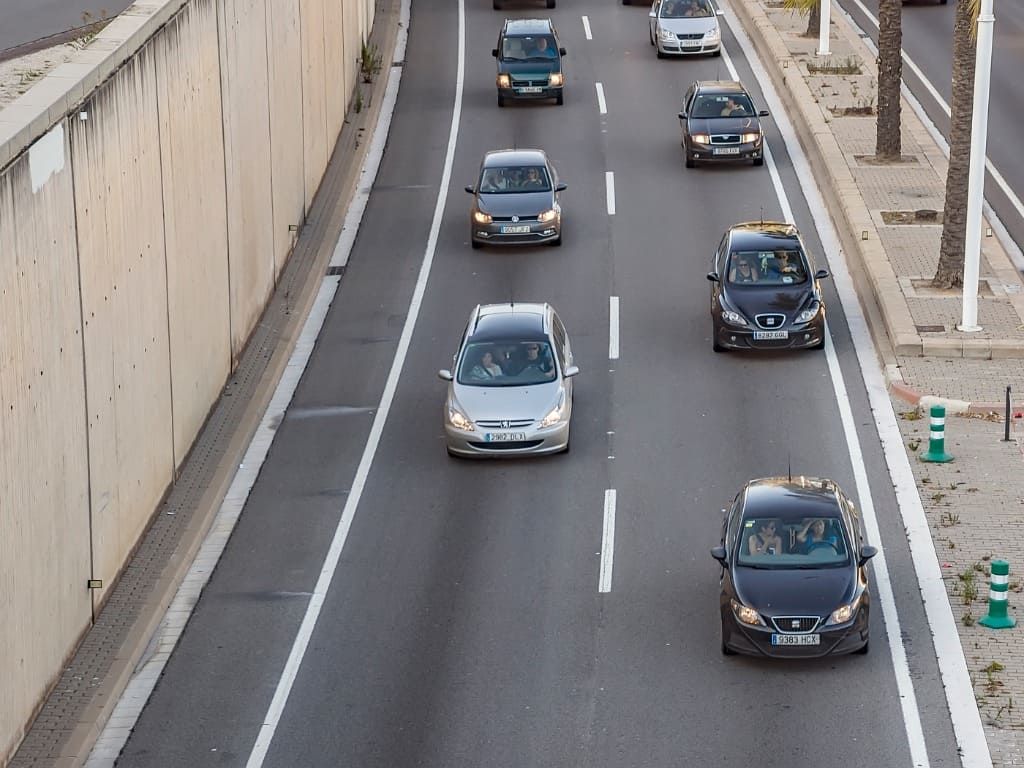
(511, 389)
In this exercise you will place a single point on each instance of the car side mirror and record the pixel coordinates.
(821, 274)
(469, 188)
(763, 113)
(866, 553)
(719, 554)
(682, 115)
(561, 51)
(652, 14)
(719, 12)
(571, 371)
(494, 52)
(560, 186)
(445, 375)
(713, 277)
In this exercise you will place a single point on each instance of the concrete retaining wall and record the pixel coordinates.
(149, 195)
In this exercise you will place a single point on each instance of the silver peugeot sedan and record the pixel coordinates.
(515, 199)
(684, 27)
(511, 389)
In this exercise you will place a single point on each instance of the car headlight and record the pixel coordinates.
(713, 34)
(747, 138)
(843, 613)
(746, 615)
(666, 34)
(733, 318)
(809, 314)
(556, 78)
(556, 415)
(459, 421)
(504, 81)
(481, 218)
(549, 215)
(701, 138)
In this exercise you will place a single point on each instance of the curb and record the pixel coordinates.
(84, 733)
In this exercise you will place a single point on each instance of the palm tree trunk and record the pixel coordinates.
(950, 272)
(888, 145)
(814, 20)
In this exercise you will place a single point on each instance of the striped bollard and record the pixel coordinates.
(937, 437)
(999, 585)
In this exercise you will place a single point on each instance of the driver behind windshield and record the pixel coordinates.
(817, 533)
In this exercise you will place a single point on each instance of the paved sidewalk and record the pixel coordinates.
(975, 504)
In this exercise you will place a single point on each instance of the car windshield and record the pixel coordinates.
(763, 268)
(529, 48)
(686, 9)
(514, 178)
(800, 542)
(507, 364)
(722, 105)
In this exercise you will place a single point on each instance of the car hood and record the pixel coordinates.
(518, 203)
(793, 592)
(689, 26)
(720, 125)
(489, 403)
(529, 70)
(752, 301)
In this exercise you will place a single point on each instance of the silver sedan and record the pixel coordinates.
(684, 27)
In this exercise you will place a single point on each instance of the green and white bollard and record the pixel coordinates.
(999, 585)
(937, 437)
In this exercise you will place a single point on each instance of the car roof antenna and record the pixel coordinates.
(789, 466)
(762, 215)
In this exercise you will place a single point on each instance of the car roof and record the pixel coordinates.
(527, 26)
(509, 321)
(762, 235)
(720, 86)
(499, 157)
(791, 498)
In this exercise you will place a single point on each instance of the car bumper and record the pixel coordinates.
(535, 441)
(537, 233)
(549, 92)
(670, 48)
(708, 152)
(757, 641)
(799, 337)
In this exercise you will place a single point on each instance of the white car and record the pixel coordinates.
(685, 27)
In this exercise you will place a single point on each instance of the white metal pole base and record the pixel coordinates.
(968, 328)
(823, 29)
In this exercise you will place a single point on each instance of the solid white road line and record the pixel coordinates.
(609, 185)
(305, 633)
(604, 579)
(136, 694)
(1012, 249)
(613, 327)
(586, 28)
(602, 107)
(861, 337)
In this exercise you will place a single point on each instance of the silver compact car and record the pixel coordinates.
(511, 389)
(515, 200)
(684, 27)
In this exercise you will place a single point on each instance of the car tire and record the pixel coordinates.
(568, 445)
(650, 36)
(661, 55)
(717, 347)
(501, 100)
(820, 345)
(690, 162)
(550, 3)
(560, 99)
(627, 2)
(726, 650)
(452, 454)
(557, 242)
(863, 650)
(496, 4)
(758, 161)
(717, 53)
(475, 245)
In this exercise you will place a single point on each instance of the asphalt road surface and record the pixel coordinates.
(928, 41)
(464, 626)
(25, 21)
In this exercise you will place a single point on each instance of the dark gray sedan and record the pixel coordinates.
(515, 200)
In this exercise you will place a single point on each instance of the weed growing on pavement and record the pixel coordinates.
(967, 588)
(993, 683)
(92, 26)
(910, 415)
(972, 490)
(938, 496)
(358, 104)
(979, 567)
(370, 61)
(914, 444)
(967, 619)
(848, 66)
(1014, 586)
(949, 519)
(950, 543)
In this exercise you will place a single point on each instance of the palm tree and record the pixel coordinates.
(813, 10)
(950, 272)
(888, 141)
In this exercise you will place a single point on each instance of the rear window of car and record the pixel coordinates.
(514, 178)
(761, 268)
(808, 542)
(507, 364)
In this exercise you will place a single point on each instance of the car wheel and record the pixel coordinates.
(568, 445)
(661, 55)
(452, 454)
(758, 161)
(820, 345)
(690, 163)
(560, 99)
(726, 650)
(717, 53)
(496, 4)
(717, 347)
(627, 2)
(476, 246)
(550, 3)
(863, 650)
(557, 242)
(650, 36)
(501, 100)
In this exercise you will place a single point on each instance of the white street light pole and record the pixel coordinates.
(826, 19)
(976, 177)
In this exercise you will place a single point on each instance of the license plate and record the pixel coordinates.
(765, 335)
(515, 229)
(505, 437)
(690, 43)
(529, 89)
(727, 150)
(796, 639)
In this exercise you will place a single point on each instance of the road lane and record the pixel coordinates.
(465, 624)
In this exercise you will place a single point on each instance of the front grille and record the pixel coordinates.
(507, 446)
(770, 321)
(697, 36)
(725, 138)
(519, 219)
(505, 424)
(517, 83)
(795, 625)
